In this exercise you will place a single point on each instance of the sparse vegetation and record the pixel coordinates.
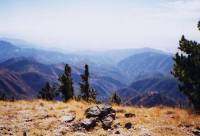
(187, 69)
(87, 93)
(115, 99)
(47, 93)
(66, 87)
(4, 97)
(43, 118)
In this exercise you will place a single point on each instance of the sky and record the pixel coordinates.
(100, 24)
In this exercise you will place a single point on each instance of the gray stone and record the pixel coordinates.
(80, 134)
(107, 122)
(92, 112)
(67, 118)
(113, 115)
(77, 125)
(105, 110)
(103, 113)
(99, 111)
(88, 123)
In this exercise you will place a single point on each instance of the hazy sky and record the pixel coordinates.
(100, 24)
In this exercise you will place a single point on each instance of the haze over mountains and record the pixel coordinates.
(139, 76)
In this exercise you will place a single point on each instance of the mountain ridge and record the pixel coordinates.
(131, 73)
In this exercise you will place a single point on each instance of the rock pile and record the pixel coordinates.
(99, 115)
(103, 114)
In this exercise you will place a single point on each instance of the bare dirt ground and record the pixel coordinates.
(42, 118)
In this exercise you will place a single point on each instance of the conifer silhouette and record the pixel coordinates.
(86, 92)
(47, 93)
(187, 69)
(66, 87)
(115, 98)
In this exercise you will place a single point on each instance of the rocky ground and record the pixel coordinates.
(41, 118)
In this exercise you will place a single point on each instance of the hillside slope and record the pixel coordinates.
(35, 75)
(153, 91)
(146, 63)
(12, 85)
(47, 118)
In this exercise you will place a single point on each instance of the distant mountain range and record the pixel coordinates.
(139, 76)
(138, 92)
(13, 85)
(35, 74)
(145, 64)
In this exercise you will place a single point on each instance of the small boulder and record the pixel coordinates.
(105, 110)
(67, 118)
(77, 125)
(92, 112)
(128, 125)
(89, 123)
(99, 111)
(196, 132)
(103, 113)
(107, 122)
(113, 115)
(129, 115)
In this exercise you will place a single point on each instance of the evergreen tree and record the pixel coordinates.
(47, 93)
(66, 87)
(92, 95)
(187, 69)
(86, 92)
(115, 99)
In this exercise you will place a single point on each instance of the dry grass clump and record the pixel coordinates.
(42, 118)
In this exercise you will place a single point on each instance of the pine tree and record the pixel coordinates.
(84, 85)
(115, 98)
(66, 87)
(86, 92)
(47, 93)
(187, 70)
(92, 95)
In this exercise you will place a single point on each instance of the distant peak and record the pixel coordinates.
(2, 42)
(22, 59)
(6, 44)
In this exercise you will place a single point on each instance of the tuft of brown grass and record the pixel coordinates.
(42, 118)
